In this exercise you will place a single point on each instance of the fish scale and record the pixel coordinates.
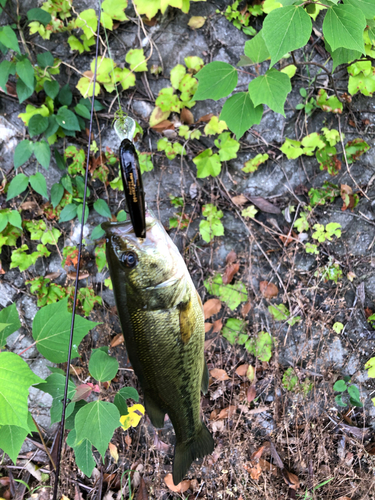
(162, 320)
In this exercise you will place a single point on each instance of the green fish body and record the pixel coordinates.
(162, 320)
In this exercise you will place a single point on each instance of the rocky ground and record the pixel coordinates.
(306, 438)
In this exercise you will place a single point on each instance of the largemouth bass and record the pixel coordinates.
(162, 320)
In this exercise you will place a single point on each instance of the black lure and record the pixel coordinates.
(133, 187)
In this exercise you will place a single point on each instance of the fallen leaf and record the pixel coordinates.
(255, 472)
(264, 205)
(268, 290)
(128, 440)
(142, 492)
(250, 374)
(205, 118)
(179, 488)
(231, 257)
(52, 276)
(218, 325)
(32, 206)
(229, 273)
(245, 309)
(218, 426)
(113, 452)
(344, 498)
(368, 312)
(186, 116)
(4, 481)
(258, 453)
(119, 339)
(351, 276)
(239, 200)
(219, 374)
(83, 391)
(214, 414)
(150, 22)
(82, 276)
(76, 370)
(207, 327)
(287, 240)
(242, 369)
(291, 479)
(160, 445)
(164, 125)
(267, 466)
(196, 22)
(211, 307)
(227, 412)
(251, 394)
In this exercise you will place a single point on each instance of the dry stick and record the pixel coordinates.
(44, 444)
(346, 162)
(62, 424)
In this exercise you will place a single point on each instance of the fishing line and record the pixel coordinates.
(62, 423)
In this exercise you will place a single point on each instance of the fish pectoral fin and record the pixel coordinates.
(185, 453)
(154, 412)
(187, 320)
(205, 377)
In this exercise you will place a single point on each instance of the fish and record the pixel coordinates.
(133, 187)
(162, 320)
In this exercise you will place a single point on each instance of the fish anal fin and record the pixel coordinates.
(205, 377)
(185, 453)
(154, 412)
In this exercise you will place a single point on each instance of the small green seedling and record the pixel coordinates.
(349, 393)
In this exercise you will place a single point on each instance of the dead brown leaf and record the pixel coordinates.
(119, 339)
(229, 273)
(264, 205)
(205, 118)
(142, 491)
(207, 327)
(344, 498)
(53, 276)
(259, 452)
(251, 394)
(179, 488)
(150, 22)
(32, 206)
(240, 200)
(231, 257)
(291, 479)
(211, 307)
(268, 290)
(218, 325)
(128, 440)
(81, 276)
(219, 374)
(186, 116)
(113, 452)
(164, 125)
(227, 412)
(242, 369)
(267, 466)
(246, 309)
(254, 472)
(160, 445)
(347, 196)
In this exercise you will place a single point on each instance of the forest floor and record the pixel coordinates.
(275, 437)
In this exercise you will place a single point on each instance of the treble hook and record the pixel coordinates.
(131, 176)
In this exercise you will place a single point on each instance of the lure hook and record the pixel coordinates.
(131, 175)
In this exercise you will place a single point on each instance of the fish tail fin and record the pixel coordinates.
(185, 453)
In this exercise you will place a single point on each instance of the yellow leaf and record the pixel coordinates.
(196, 22)
(132, 419)
(157, 116)
(113, 451)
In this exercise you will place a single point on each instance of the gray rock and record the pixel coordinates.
(10, 135)
(28, 307)
(108, 297)
(7, 294)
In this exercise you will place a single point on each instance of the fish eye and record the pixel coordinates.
(129, 259)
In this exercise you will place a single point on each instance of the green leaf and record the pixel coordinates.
(177, 74)
(343, 26)
(97, 233)
(67, 119)
(51, 88)
(15, 380)
(45, 59)
(256, 48)
(55, 386)
(355, 396)
(102, 367)
(328, 104)
(83, 453)
(60, 161)
(81, 110)
(37, 125)
(250, 211)
(115, 9)
(6, 68)
(207, 164)
(121, 216)
(15, 219)
(88, 21)
(9, 316)
(253, 164)
(121, 397)
(340, 386)
(57, 192)
(233, 330)
(344, 56)
(22, 153)
(286, 29)
(96, 422)
(137, 60)
(65, 96)
(68, 212)
(79, 212)
(271, 89)
(232, 295)
(366, 6)
(9, 39)
(51, 236)
(42, 153)
(25, 71)
(51, 331)
(261, 346)
(23, 91)
(17, 186)
(280, 312)
(102, 208)
(216, 80)
(240, 114)
(228, 147)
(38, 183)
(11, 440)
(39, 15)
